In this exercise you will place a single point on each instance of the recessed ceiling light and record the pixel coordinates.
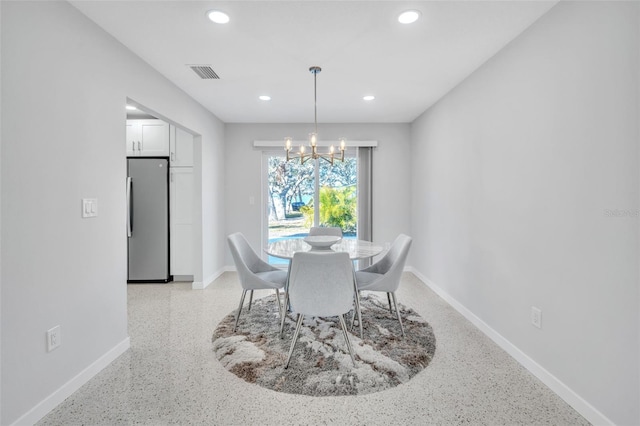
(264, 97)
(368, 97)
(131, 108)
(218, 17)
(409, 16)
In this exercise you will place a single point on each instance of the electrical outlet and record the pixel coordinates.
(53, 338)
(536, 317)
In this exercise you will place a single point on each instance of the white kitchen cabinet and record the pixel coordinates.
(181, 221)
(131, 138)
(180, 147)
(147, 138)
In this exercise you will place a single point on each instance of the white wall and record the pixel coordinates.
(212, 188)
(391, 196)
(65, 84)
(515, 174)
(0, 214)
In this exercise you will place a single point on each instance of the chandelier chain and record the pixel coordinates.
(315, 71)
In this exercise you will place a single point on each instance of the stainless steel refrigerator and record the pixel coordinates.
(148, 219)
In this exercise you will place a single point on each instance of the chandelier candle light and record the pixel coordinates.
(313, 137)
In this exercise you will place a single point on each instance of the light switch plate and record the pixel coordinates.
(89, 207)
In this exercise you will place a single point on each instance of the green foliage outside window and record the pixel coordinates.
(337, 208)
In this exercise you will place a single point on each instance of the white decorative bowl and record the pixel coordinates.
(322, 242)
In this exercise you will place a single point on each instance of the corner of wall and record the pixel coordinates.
(62, 393)
(201, 285)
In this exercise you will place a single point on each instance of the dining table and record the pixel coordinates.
(357, 249)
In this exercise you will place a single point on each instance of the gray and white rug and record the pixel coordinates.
(321, 365)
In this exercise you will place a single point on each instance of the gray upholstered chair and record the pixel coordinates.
(385, 274)
(321, 285)
(253, 272)
(325, 230)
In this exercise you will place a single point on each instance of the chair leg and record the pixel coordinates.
(359, 312)
(278, 300)
(295, 337)
(353, 319)
(284, 314)
(244, 292)
(346, 338)
(250, 300)
(389, 300)
(395, 304)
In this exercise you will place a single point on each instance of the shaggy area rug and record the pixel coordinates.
(321, 364)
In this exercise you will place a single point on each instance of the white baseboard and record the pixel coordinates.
(578, 403)
(182, 278)
(52, 401)
(201, 285)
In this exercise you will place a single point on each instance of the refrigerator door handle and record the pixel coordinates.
(129, 207)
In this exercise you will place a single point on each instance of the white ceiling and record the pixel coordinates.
(268, 47)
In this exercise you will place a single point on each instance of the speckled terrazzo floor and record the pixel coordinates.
(170, 375)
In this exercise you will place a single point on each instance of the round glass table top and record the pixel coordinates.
(357, 249)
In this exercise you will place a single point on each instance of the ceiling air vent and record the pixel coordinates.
(204, 71)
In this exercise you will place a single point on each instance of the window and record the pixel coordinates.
(315, 193)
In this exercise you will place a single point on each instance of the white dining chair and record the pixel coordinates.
(321, 285)
(253, 272)
(385, 274)
(325, 230)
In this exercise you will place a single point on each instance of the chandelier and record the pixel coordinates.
(313, 137)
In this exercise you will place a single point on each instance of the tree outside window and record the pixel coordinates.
(292, 199)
